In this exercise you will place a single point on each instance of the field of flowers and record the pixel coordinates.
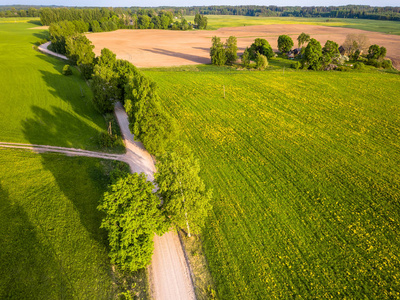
(305, 168)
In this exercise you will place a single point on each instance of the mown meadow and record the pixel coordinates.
(218, 21)
(51, 243)
(36, 97)
(305, 169)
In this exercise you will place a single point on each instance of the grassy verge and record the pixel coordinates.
(215, 22)
(52, 246)
(204, 285)
(305, 171)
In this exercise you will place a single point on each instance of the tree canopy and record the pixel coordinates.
(80, 51)
(132, 218)
(260, 46)
(217, 52)
(231, 50)
(285, 43)
(303, 38)
(313, 55)
(148, 121)
(185, 200)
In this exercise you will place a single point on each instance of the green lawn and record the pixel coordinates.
(51, 244)
(218, 21)
(21, 20)
(305, 168)
(39, 104)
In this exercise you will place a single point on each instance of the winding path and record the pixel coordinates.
(169, 272)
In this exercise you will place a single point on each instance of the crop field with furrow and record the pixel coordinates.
(306, 179)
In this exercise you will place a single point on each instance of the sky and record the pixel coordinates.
(155, 3)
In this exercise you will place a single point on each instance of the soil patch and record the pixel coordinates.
(164, 48)
(40, 27)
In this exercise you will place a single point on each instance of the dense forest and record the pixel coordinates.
(348, 11)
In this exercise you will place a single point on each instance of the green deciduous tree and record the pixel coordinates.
(376, 52)
(260, 46)
(148, 121)
(80, 51)
(303, 38)
(185, 200)
(329, 51)
(144, 22)
(59, 32)
(200, 21)
(105, 88)
(231, 50)
(246, 58)
(313, 55)
(217, 52)
(285, 43)
(132, 218)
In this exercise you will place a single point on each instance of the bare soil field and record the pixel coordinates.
(162, 48)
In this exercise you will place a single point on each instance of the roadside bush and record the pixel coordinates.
(359, 66)
(387, 64)
(41, 42)
(296, 65)
(67, 70)
(106, 140)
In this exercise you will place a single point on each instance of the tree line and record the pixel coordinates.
(108, 19)
(348, 11)
(309, 55)
(134, 209)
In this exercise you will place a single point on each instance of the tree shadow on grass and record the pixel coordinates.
(36, 22)
(60, 127)
(70, 89)
(42, 35)
(28, 268)
(47, 125)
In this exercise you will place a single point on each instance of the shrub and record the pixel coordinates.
(67, 70)
(359, 66)
(374, 62)
(106, 140)
(261, 61)
(296, 65)
(387, 64)
(343, 68)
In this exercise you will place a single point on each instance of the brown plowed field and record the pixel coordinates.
(159, 48)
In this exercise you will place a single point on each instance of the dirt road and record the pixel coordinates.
(161, 48)
(169, 273)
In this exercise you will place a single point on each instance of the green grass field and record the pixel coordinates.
(39, 104)
(217, 21)
(51, 244)
(305, 168)
(21, 20)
